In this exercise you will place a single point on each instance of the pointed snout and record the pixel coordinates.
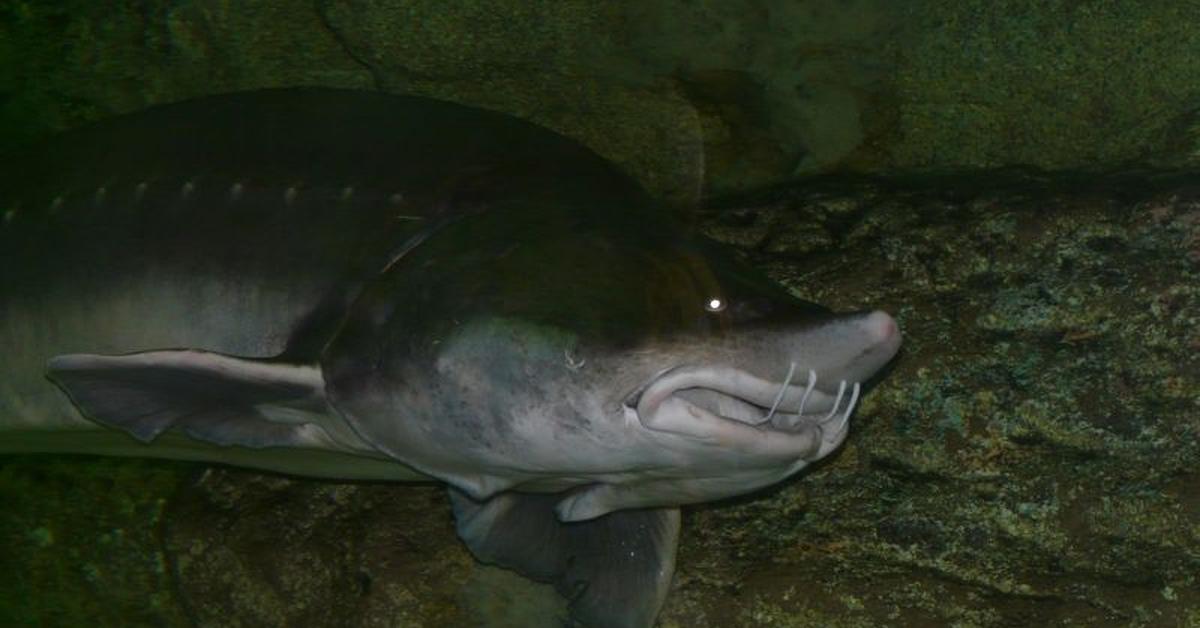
(878, 338)
(882, 329)
(851, 347)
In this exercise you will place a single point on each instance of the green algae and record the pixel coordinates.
(80, 542)
(686, 96)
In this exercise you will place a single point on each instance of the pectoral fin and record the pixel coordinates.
(215, 398)
(615, 570)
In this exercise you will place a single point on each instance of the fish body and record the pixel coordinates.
(354, 285)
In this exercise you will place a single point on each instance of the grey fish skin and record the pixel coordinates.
(353, 285)
(240, 225)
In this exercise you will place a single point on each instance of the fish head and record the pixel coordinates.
(543, 350)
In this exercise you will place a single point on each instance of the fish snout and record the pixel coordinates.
(851, 347)
(882, 331)
(803, 414)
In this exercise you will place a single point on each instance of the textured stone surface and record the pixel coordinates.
(684, 95)
(1075, 85)
(79, 542)
(254, 550)
(74, 61)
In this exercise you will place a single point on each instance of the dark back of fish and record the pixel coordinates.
(243, 224)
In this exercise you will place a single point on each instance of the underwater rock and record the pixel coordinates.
(684, 95)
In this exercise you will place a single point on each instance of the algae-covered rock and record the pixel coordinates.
(79, 542)
(686, 96)
(253, 550)
(62, 64)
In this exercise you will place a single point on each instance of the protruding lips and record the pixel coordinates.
(805, 416)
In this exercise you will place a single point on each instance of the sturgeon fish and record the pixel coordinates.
(343, 284)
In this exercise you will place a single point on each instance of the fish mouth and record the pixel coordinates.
(799, 417)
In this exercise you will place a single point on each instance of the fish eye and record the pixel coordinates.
(714, 304)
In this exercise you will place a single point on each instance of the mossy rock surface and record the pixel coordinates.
(689, 97)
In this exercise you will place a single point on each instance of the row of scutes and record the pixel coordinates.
(187, 190)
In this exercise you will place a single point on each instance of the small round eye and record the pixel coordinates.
(715, 304)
